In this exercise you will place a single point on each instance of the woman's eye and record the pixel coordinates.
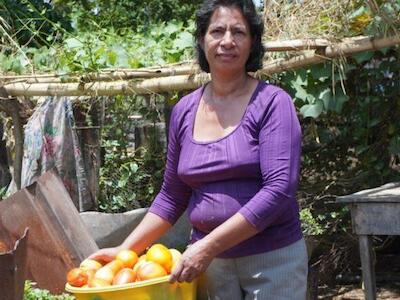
(239, 32)
(217, 30)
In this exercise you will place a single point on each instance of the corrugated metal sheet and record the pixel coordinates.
(58, 238)
(13, 269)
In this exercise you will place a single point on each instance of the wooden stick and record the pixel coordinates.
(293, 63)
(103, 75)
(126, 74)
(147, 86)
(187, 68)
(189, 82)
(296, 45)
(349, 47)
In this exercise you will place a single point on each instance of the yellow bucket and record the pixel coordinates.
(153, 289)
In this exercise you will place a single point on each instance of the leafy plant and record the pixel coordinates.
(33, 293)
(3, 192)
(157, 44)
(310, 224)
(130, 178)
(130, 182)
(33, 23)
(125, 14)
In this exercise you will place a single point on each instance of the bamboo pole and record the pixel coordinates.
(281, 65)
(349, 47)
(106, 75)
(361, 44)
(147, 86)
(171, 70)
(296, 45)
(189, 82)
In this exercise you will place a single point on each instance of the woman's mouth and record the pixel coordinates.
(226, 56)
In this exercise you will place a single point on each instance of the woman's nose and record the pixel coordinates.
(227, 39)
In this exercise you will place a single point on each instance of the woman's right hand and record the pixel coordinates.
(106, 254)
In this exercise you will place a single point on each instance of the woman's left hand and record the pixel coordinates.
(193, 262)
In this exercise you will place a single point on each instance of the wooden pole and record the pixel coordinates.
(296, 45)
(349, 47)
(147, 86)
(11, 107)
(105, 75)
(190, 82)
(172, 70)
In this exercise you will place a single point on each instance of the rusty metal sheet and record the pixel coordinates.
(13, 268)
(58, 238)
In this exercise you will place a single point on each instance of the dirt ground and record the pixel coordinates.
(388, 291)
(387, 272)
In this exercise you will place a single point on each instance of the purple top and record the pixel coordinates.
(253, 170)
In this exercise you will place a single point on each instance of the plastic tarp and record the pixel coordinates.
(51, 142)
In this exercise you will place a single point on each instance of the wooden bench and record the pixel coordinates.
(373, 212)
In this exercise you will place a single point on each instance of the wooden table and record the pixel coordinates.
(373, 212)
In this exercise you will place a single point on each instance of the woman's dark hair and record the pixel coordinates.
(249, 12)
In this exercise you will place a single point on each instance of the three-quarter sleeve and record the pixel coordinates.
(279, 147)
(174, 195)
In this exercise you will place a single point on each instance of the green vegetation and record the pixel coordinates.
(130, 180)
(350, 132)
(3, 191)
(87, 52)
(33, 293)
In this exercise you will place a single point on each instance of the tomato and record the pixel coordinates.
(161, 255)
(126, 275)
(150, 270)
(97, 282)
(128, 258)
(105, 273)
(90, 264)
(77, 277)
(176, 256)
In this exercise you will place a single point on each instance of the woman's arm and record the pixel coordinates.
(199, 255)
(149, 230)
(280, 149)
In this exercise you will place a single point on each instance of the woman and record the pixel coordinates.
(233, 163)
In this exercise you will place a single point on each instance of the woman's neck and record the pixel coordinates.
(225, 87)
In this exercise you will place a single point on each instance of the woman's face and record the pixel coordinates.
(227, 42)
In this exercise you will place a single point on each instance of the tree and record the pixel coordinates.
(31, 22)
(121, 14)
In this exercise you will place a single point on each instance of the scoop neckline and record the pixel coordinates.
(196, 107)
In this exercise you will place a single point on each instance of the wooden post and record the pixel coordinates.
(5, 176)
(11, 107)
(368, 270)
(90, 140)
